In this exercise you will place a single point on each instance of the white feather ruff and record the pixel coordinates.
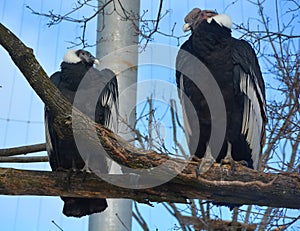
(71, 57)
(222, 20)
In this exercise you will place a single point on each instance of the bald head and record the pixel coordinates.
(196, 16)
(192, 15)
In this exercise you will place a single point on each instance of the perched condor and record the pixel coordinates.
(63, 152)
(234, 66)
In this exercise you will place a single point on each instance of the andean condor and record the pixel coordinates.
(233, 64)
(63, 152)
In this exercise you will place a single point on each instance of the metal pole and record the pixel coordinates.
(114, 33)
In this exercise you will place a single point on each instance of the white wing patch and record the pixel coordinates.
(108, 100)
(252, 126)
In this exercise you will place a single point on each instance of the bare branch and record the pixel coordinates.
(23, 150)
(29, 159)
(56, 18)
(139, 218)
(175, 212)
(148, 27)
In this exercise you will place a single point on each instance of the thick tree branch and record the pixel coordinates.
(243, 186)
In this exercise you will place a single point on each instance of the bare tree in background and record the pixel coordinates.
(277, 46)
(146, 30)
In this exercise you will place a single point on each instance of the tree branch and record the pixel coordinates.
(23, 150)
(243, 186)
(29, 159)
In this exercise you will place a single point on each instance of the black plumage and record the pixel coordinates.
(234, 66)
(62, 151)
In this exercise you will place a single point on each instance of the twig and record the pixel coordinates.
(57, 225)
(150, 122)
(123, 224)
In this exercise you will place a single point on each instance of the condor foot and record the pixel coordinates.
(206, 162)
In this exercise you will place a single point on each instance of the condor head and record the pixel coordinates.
(196, 16)
(77, 56)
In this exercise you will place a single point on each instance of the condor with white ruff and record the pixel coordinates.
(234, 66)
(63, 152)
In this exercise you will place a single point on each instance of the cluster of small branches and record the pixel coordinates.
(280, 61)
(147, 129)
(144, 27)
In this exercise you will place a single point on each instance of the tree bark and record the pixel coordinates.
(241, 186)
(219, 184)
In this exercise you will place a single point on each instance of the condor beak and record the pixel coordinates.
(96, 61)
(186, 27)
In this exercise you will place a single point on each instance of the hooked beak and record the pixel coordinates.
(86, 57)
(96, 61)
(186, 27)
(93, 60)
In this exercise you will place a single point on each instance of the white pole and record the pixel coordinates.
(114, 33)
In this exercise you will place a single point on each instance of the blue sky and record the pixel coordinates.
(21, 115)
